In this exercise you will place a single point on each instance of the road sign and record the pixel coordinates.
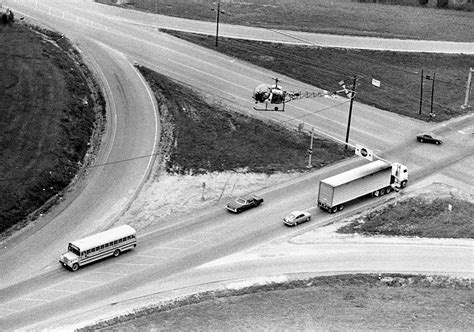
(364, 152)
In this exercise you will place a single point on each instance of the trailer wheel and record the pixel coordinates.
(334, 209)
(340, 207)
(388, 189)
(382, 191)
(376, 193)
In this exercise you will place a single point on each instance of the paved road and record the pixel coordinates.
(93, 205)
(153, 21)
(186, 243)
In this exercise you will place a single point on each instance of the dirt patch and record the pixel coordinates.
(180, 194)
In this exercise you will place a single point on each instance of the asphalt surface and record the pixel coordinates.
(35, 288)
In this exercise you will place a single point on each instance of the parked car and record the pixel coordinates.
(429, 138)
(297, 217)
(244, 203)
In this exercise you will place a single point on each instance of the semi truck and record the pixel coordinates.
(376, 178)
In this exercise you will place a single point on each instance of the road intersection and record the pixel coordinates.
(35, 287)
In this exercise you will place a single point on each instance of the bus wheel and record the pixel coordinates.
(116, 252)
(75, 267)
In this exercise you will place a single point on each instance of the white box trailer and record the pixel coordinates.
(376, 178)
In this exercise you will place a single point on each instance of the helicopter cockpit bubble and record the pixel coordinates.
(262, 93)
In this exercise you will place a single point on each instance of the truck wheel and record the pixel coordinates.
(403, 184)
(75, 267)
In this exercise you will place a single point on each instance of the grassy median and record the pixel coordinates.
(399, 73)
(49, 107)
(198, 137)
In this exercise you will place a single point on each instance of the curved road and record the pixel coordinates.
(110, 45)
(132, 132)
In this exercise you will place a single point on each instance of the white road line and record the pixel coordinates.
(112, 273)
(59, 291)
(133, 264)
(150, 256)
(155, 139)
(31, 299)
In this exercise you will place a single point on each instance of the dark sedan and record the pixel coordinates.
(244, 203)
(429, 138)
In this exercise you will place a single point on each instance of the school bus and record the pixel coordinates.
(92, 248)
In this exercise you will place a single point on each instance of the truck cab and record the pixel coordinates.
(399, 175)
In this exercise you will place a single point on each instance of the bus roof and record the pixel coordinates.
(104, 237)
(356, 173)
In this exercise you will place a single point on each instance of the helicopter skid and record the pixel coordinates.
(275, 109)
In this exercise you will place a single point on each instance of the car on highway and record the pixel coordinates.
(297, 217)
(429, 138)
(244, 203)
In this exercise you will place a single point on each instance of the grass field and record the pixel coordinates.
(399, 73)
(326, 16)
(198, 137)
(333, 303)
(47, 114)
(417, 216)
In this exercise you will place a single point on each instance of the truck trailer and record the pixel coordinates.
(376, 178)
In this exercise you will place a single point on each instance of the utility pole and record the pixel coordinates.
(468, 89)
(421, 92)
(350, 108)
(432, 96)
(217, 21)
(310, 151)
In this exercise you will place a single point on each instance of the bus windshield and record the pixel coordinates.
(73, 249)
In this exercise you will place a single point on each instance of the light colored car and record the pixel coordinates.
(297, 217)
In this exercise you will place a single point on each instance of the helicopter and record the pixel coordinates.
(274, 94)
